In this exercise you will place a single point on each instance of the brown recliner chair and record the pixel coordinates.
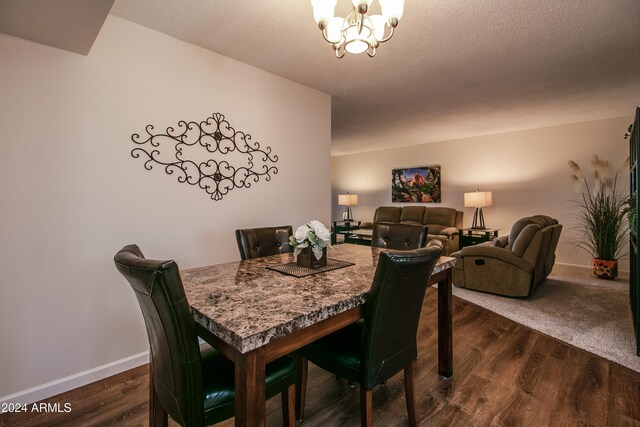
(264, 241)
(512, 265)
(399, 236)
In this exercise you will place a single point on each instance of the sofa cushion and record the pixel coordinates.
(440, 216)
(415, 214)
(436, 228)
(412, 222)
(388, 214)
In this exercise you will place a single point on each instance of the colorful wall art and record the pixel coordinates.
(416, 185)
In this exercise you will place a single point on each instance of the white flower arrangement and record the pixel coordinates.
(314, 235)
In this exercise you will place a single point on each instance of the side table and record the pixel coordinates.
(343, 227)
(473, 236)
(359, 237)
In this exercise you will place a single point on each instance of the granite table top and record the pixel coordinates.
(247, 305)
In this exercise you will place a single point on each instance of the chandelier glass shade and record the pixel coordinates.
(359, 32)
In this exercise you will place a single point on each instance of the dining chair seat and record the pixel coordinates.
(344, 358)
(218, 382)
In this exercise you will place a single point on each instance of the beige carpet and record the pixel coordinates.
(573, 306)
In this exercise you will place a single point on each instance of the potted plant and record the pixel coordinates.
(310, 243)
(603, 210)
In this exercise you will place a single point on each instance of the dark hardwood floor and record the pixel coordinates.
(505, 375)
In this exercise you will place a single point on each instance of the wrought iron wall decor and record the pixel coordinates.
(201, 140)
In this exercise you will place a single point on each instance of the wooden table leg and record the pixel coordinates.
(250, 404)
(445, 326)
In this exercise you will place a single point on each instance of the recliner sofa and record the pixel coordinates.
(512, 265)
(442, 223)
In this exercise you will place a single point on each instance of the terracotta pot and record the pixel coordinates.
(605, 269)
(306, 258)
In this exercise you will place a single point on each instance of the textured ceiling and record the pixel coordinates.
(454, 68)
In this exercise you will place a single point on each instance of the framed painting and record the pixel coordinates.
(416, 185)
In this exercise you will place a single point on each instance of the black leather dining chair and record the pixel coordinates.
(193, 384)
(383, 343)
(264, 241)
(399, 236)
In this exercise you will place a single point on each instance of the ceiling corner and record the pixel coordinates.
(72, 25)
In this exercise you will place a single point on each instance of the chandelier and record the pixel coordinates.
(359, 32)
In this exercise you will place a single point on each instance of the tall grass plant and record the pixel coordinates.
(603, 210)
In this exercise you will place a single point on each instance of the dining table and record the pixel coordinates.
(254, 313)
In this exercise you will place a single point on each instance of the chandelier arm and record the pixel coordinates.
(338, 54)
(324, 35)
(389, 36)
(360, 22)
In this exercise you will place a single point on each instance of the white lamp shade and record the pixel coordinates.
(347, 199)
(478, 199)
(392, 9)
(323, 10)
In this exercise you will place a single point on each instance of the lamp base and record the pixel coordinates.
(346, 215)
(478, 220)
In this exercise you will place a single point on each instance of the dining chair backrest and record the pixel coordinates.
(175, 354)
(393, 311)
(264, 241)
(399, 236)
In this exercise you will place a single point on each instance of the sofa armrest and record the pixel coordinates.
(495, 253)
(500, 242)
(449, 231)
(459, 217)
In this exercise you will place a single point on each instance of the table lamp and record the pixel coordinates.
(347, 200)
(478, 199)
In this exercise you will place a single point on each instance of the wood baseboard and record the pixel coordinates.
(52, 388)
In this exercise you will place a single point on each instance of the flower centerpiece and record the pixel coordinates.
(310, 243)
(602, 219)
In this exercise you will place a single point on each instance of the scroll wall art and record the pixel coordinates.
(210, 154)
(418, 185)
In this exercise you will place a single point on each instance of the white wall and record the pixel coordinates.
(526, 171)
(72, 195)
